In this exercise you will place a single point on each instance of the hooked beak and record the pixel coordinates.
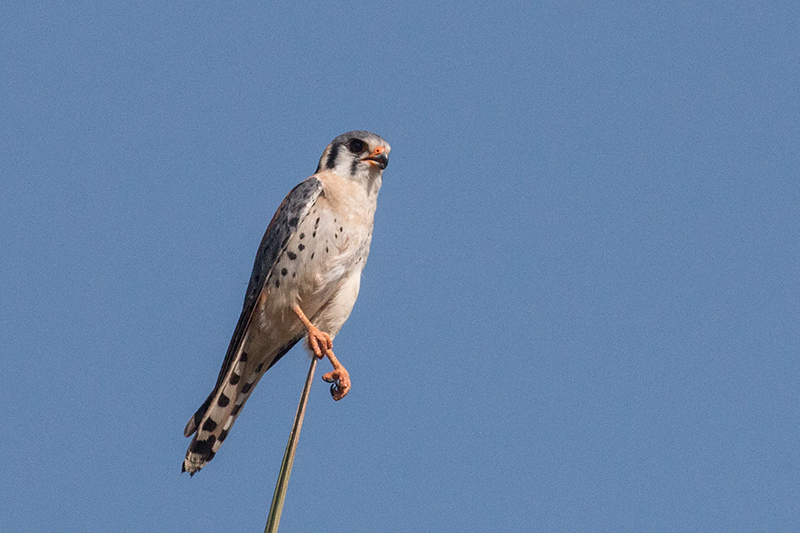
(378, 157)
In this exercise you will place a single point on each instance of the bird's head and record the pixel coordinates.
(358, 155)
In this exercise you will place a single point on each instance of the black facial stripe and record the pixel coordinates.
(331, 162)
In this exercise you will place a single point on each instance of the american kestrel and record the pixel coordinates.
(304, 283)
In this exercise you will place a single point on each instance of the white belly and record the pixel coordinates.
(320, 270)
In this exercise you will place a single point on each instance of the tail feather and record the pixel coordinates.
(213, 420)
(191, 426)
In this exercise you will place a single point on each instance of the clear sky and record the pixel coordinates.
(582, 307)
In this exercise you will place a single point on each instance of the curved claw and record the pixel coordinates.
(340, 383)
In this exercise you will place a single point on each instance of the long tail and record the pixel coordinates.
(213, 420)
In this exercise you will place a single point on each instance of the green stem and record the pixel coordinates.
(274, 518)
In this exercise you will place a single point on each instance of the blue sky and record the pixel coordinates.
(581, 308)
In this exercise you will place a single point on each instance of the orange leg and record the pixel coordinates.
(321, 344)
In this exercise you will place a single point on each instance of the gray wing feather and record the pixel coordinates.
(294, 208)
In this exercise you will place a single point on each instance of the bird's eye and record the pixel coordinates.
(356, 146)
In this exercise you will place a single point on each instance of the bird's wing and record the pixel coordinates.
(294, 208)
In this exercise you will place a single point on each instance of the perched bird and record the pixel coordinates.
(304, 283)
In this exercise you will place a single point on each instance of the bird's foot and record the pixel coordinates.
(340, 379)
(319, 342)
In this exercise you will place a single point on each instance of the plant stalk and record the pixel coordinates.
(275, 509)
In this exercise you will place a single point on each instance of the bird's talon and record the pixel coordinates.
(340, 383)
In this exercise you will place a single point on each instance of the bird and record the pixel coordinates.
(304, 283)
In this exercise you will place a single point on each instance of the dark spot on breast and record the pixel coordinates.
(277, 283)
(302, 235)
(223, 400)
(335, 235)
(316, 224)
(301, 247)
(326, 249)
(284, 272)
(312, 255)
(209, 425)
(314, 234)
(341, 229)
(292, 255)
